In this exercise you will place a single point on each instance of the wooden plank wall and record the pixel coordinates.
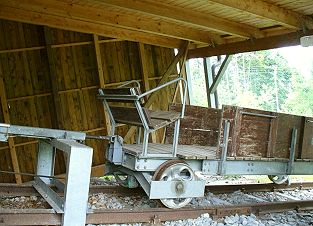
(200, 126)
(51, 79)
(256, 133)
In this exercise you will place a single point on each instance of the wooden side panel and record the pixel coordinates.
(256, 133)
(200, 126)
(307, 144)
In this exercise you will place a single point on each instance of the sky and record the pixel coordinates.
(300, 58)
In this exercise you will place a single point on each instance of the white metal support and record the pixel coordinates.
(45, 160)
(77, 181)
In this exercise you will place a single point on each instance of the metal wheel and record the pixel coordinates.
(279, 179)
(175, 170)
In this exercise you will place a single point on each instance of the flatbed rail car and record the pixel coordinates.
(228, 141)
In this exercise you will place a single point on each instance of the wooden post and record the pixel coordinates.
(145, 77)
(6, 115)
(101, 78)
(182, 53)
(53, 80)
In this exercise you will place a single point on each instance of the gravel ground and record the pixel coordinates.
(290, 218)
(113, 201)
(22, 202)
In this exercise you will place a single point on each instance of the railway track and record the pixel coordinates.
(154, 215)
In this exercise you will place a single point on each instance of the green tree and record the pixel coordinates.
(257, 79)
(300, 101)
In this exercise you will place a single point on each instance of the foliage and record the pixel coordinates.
(262, 80)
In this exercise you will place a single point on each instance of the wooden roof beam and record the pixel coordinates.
(278, 41)
(202, 20)
(11, 13)
(106, 16)
(264, 9)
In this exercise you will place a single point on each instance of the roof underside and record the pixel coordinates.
(213, 27)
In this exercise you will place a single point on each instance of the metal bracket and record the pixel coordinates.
(79, 158)
(221, 166)
(292, 151)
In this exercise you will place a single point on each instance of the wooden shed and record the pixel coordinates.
(54, 55)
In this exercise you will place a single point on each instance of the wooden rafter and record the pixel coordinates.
(202, 20)
(101, 78)
(107, 16)
(268, 10)
(12, 13)
(277, 41)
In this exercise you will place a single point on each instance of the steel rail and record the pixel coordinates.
(151, 215)
(28, 190)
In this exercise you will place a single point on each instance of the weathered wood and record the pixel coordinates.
(200, 126)
(272, 139)
(261, 133)
(307, 142)
(129, 115)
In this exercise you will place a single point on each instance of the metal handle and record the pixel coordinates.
(167, 84)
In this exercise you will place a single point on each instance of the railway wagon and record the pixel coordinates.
(202, 141)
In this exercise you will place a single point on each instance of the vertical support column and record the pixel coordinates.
(45, 160)
(144, 67)
(145, 82)
(6, 115)
(175, 138)
(101, 78)
(208, 74)
(217, 78)
(54, 80)
(188, 78)
(292, 151)
(77, 181)
(221, 165)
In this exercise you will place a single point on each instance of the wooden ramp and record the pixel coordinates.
(183, 151)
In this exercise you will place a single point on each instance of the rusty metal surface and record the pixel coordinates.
(29, 217)
(152, 214)
(28, 190)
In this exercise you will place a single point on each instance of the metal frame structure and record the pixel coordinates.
(73, 205)
(137, 100)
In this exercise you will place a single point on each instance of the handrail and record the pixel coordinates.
(167, 84)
